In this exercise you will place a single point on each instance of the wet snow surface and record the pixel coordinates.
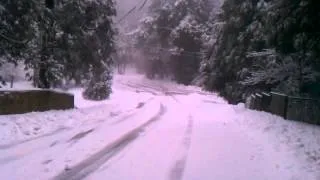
(157, 130)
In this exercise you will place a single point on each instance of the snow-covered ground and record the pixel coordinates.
(157, 130)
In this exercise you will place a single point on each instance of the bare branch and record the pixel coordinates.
(127, 14)
(143, 4)
(266, 52)
(13, 40)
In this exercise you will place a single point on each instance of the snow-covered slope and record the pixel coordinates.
(157, 130)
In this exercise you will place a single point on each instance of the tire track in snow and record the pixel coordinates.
(91, 164)
(142, 88)
(11, 145)
(156, 89)
(78, 136)
(72, 141)
(138, 107)
(176, 172)
(53, 133)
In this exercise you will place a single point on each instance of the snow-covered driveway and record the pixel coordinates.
(155, 130)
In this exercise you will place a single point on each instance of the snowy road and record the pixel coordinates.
(160, 131)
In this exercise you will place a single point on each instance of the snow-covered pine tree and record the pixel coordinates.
(17, 29)
(101, 45)
(242, 61)
(78, 24)
(80, 36)
(242, 30)
(296, 24)
(189, 38)
(293, 35)
(172, 37)
(99, 87)
(16, 26)
(153, 35)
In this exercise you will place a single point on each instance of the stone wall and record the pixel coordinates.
(18, 102)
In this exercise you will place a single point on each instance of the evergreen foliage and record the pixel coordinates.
(265, 45)
(240, 47)
(61, 40)
(173, 38)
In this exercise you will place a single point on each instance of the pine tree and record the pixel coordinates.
(292, 68)
(17, 29)
(175, 30)
(61, 40)
(297, 37)
(188, 38)
(263, 46)
(99, 87)
(16, 26)
(154, 38)
(242, 31)
(101, 46)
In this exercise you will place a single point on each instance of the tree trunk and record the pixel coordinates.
(43, 71)
(77, 80)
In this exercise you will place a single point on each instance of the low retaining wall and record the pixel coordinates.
(18, 102)
(289, 107)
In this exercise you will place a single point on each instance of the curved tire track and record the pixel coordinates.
(89, 165)
(139, 106)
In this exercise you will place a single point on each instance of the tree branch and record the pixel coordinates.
(13, 40)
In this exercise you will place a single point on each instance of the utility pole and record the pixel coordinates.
(46, 36)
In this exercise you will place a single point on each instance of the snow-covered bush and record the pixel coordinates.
(99, 87)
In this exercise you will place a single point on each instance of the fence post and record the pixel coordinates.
(279, 104)
(266, 100)
(253, 102)
(11, 81)
(295, 109)
(248, 101)
(259, 102)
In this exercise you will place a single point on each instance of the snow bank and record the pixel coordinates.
(301, 140)
(56, 154)
(19, 85)
(231, 142)
(17, 128)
